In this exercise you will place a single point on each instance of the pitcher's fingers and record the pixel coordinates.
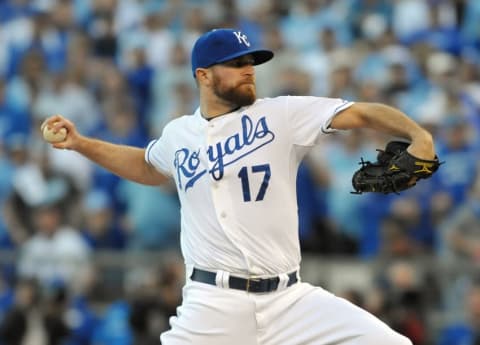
(65, 123)
(50, 120)
(60, 145)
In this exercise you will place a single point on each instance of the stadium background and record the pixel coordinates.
(87, 258)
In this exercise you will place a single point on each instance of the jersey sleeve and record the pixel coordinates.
(310, 116)
(156, 154)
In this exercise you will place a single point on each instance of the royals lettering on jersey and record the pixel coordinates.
(234, 225)
(252, 137)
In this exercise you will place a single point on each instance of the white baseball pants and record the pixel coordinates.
(298, 315)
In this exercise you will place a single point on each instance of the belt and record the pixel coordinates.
(245, 284)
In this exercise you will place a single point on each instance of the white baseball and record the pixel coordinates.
(52, 137)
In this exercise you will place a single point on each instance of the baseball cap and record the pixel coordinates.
(220, 45)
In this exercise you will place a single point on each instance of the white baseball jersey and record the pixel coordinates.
(236, 179)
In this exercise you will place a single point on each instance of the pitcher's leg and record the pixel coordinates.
(307, 315)
(212, 316)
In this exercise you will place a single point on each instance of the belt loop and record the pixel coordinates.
(221, 279)
(218, 279)
(283, 281)
(225, 279)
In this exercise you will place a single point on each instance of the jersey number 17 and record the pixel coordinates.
(243, 175)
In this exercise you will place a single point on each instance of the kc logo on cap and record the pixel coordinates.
(242, 38)
(221, 45)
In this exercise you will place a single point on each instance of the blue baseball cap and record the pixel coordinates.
(220, 45)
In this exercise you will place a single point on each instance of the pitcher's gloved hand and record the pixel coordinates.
(395, 170)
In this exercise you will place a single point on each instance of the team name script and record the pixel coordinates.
(253, 136)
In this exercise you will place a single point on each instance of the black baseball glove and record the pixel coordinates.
(395, 170)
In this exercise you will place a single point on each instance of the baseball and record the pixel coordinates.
(52, 137)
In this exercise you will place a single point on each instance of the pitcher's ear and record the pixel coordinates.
(203, 75)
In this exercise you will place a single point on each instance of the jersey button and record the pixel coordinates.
(223, 214)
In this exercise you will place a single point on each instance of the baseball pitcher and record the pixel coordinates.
(234, 162)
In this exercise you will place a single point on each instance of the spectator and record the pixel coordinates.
(148, 228)
(121, 126)
(67, 96)
(153, 296)
(114, 326)
(405, 302)
(101, 229)
(54, 304)
(409, 17)
(442, 33)
(23, 87)
(318, 234)
(461, 238)
(167, 102)
(342, 158)
(40, 36)
(32, 184)
(104, 39)
(56, 252)
(268, 81)
(408, 213)
(308, 17)
(458, 176)
(12, 120)
(81, 320)
(362, 12)
(27, 188)
(395, 239)
(318, 62)
(22, 323)
(468, 331)
(140, 77)
(161, 40)
(342, 83)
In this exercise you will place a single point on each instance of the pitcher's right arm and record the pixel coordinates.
(125, 161)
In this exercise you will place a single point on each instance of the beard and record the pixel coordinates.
(239, 95)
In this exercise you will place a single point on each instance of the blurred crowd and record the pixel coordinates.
(120, 69)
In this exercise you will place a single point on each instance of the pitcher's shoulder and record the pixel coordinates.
(271, 101)
(179, 121)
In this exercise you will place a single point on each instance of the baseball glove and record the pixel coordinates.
(395, 170)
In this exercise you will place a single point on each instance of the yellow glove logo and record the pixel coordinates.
(393, 167)
(425, 167)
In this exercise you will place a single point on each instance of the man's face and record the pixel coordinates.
(234, 81)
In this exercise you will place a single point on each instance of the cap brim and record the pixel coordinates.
(259, 55)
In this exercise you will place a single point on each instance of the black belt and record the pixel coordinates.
(245, 284)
